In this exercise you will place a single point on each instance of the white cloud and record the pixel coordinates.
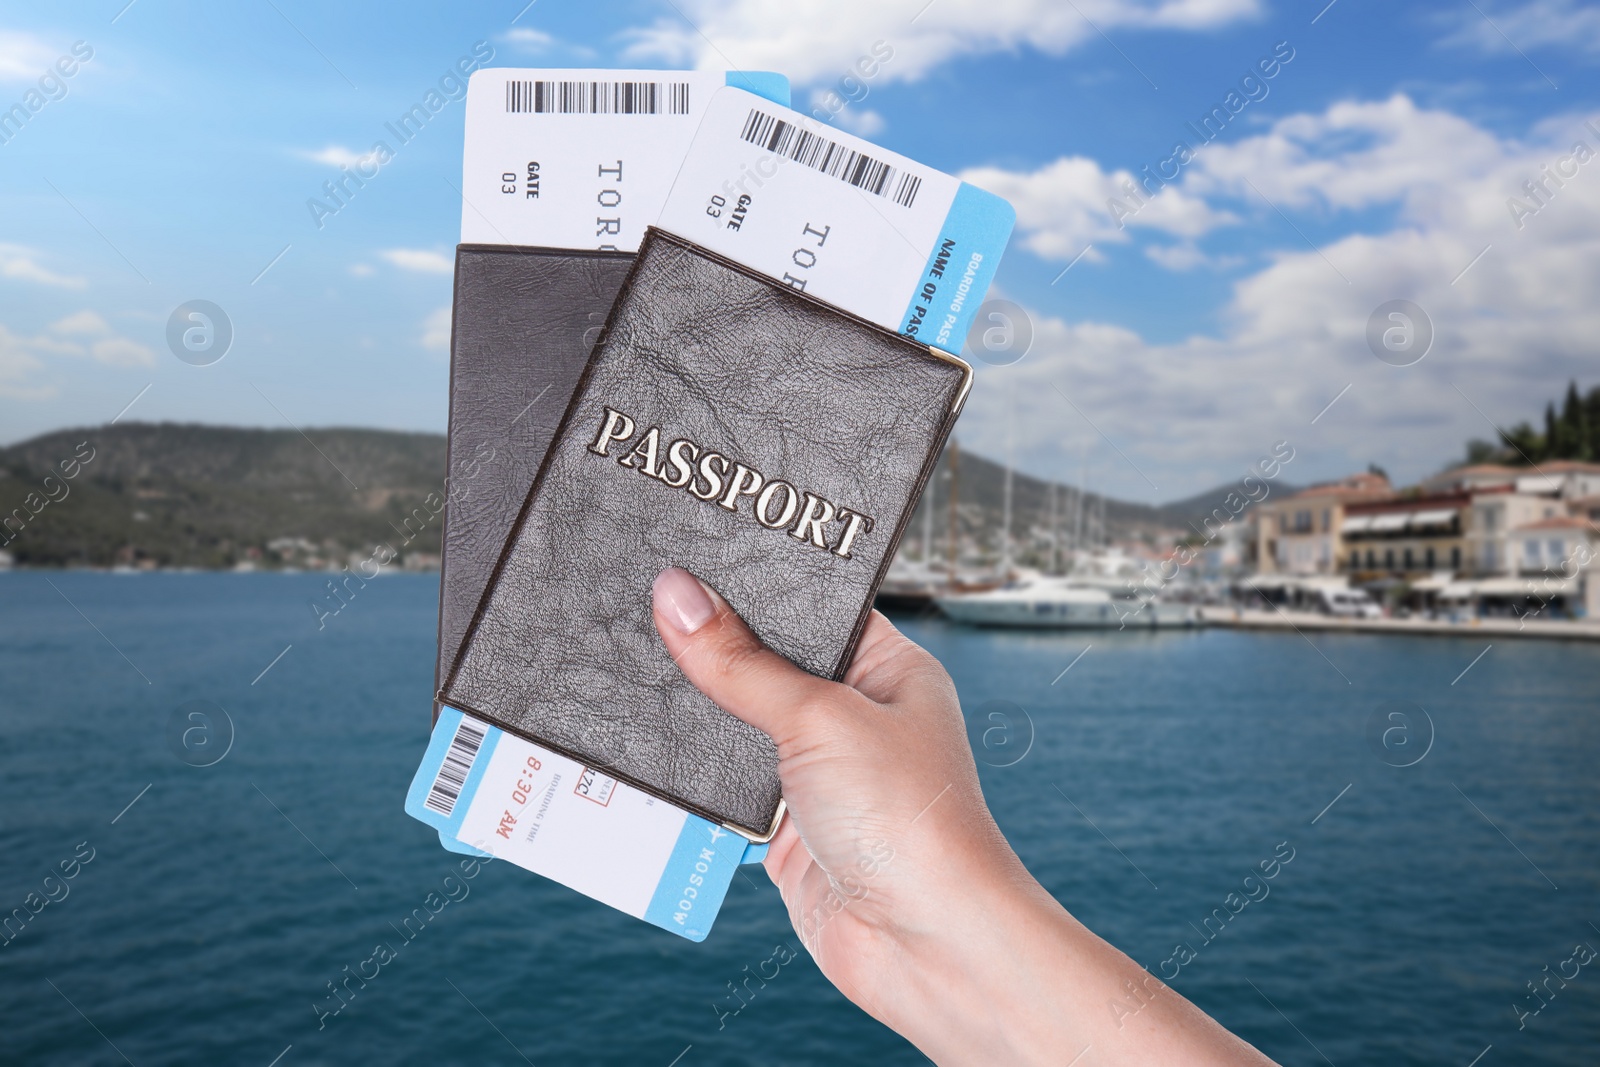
(84, 323)
(1509, 332)
(436, 331)
(819, 41)
(525, 39)
(122, 352)
(419, 259)
(1185, 255)
(18, 262)
(847, 114)
(23, 57)
(339, 156)
(18, 366)
(81, 335)
(1540, 24)
(56, 346)
(1388, 151)
(1062, 206)
(361, 270)
(861, 123)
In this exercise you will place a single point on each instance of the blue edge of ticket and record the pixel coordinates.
(495, 795)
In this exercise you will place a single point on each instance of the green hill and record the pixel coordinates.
(185, 495)
(177, 495)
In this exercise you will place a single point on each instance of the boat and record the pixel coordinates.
(1103, 588)
(1041, 602)
(911, 585)
(1032, 603)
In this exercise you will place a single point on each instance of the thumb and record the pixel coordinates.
(727, 662)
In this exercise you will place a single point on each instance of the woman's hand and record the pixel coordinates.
(894, 873)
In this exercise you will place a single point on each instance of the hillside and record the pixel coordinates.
(981, 506)
(174, 495)
(184, 495)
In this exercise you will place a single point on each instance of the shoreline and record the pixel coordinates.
(1549, 629)
(134, 572)
(1211, 615)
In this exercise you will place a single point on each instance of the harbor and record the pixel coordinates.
(1480, 549)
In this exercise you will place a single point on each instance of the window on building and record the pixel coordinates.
(1530, 552)
(1489, 517)
(1554, 548)
(1388, 558)
(1372, 558)
(1302, 521)
(1408, 557)
(1427, 557)
(1455, 557)
(1327, 519)
(1283, 523)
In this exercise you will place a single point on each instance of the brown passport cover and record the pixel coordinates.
(524, 321)
(563, 649)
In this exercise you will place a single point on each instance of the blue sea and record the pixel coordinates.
(1441, 859)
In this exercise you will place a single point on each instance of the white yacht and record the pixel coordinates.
(1037, 603)
(1101, 591)
(1076, 601)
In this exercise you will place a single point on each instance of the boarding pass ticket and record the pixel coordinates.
(863, 228)
(581, 159)
(494, 793)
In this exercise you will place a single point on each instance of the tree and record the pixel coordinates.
(1526, 444)
(1591, 410)
(1574, 433)
(1575, 426)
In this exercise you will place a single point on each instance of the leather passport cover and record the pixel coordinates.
(728, 424)
(524, 323)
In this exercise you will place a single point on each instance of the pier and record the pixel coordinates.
(1549, 629)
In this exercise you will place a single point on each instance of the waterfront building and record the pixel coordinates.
(1569, 479)
(1530, 542)
(1405, 537)
(1496, 514)
(1469, 478)
(1300, 534)
(1477, 539)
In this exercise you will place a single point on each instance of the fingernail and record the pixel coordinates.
(682, 600)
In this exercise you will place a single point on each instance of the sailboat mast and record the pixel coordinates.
(1077, 520)
(1005, 533)
(1055, 547)
(927, 517)
(955, 491)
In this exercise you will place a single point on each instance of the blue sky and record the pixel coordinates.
(1228, 311)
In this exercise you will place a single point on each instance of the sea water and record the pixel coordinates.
(1426, 868)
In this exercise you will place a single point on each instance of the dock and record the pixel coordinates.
(1548, 629)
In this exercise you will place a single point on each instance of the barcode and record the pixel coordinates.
(453, 771)
(597, 98)
(830, 157)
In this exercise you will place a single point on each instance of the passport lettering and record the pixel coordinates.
(710, 476)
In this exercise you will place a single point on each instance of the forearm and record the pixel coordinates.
(1013, 978)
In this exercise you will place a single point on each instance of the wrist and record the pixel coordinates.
(983, 964)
